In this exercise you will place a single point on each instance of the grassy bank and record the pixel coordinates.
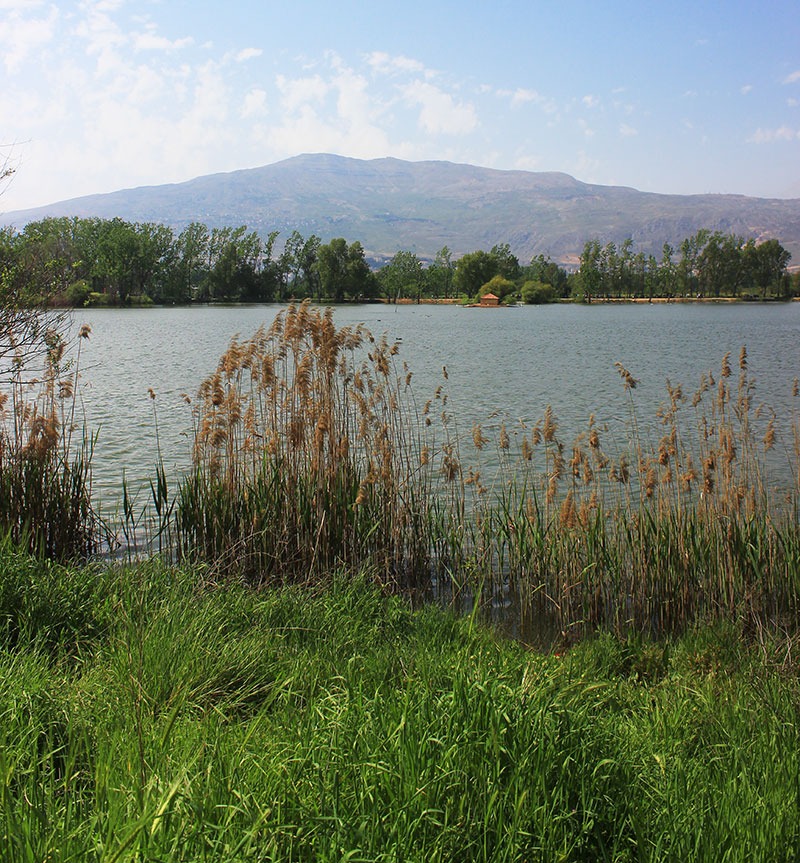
(145, 715)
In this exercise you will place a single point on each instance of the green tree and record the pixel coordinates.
(589, 279)
(439, 275)
(474, 270)
(189, 269)
(343, 271)
(507, 263)
(766, 266)
(402, 277)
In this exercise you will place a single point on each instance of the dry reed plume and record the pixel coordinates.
(45, 475)
(309, 453)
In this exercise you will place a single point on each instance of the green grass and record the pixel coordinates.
(147, 715)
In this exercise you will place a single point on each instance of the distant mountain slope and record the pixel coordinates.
(389, 204)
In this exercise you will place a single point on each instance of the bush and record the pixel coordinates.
(78, 294)
(537, 293)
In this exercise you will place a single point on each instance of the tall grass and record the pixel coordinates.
(681, 521)
(45, 455)
(157, 721)
(310, 452)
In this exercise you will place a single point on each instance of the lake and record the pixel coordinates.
(502, 364)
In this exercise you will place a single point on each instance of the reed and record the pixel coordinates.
(678, 523)
(311, 452)
(46, 454)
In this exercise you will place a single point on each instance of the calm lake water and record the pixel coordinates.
(504, 363)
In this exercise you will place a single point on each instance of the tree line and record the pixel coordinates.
(705, 265)
(94, 261)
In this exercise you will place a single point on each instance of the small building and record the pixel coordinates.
(490, 300)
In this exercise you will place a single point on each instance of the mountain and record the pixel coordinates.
(389, 204)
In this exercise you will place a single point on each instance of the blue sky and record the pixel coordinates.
(683, 97)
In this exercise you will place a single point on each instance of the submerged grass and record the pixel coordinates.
(157, 719)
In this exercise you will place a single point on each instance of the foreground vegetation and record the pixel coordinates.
(146, 714)
(273, 696)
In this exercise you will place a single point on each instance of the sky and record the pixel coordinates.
(685, 97)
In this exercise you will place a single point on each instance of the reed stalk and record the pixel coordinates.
(45, 474)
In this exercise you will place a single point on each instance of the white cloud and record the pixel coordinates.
(296, 92)
(149, 41)
(521, 96)
(255, 104)
(793, 78)
(747, 88)
(248, 54)
(590, 101)
(386, 64)
(770, 136)
(525, 96)
(439, 112)
(21, 37)
(527, 163)
(333, 113)
(628, 131)
(793, 103)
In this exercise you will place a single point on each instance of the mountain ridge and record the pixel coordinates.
(391, 204)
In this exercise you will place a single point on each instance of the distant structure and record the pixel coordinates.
(489, 300)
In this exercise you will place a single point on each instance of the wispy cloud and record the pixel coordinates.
(770, 136)
(440, 113)
(628, 131)
(747, 88)
(248, 54)
(793, 78)
(21, 37)
(387, 64)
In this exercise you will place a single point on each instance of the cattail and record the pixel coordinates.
(743, 358)
(527, 451)
(85, 331)
(152, 393)
(795, 387)
(726, 365)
